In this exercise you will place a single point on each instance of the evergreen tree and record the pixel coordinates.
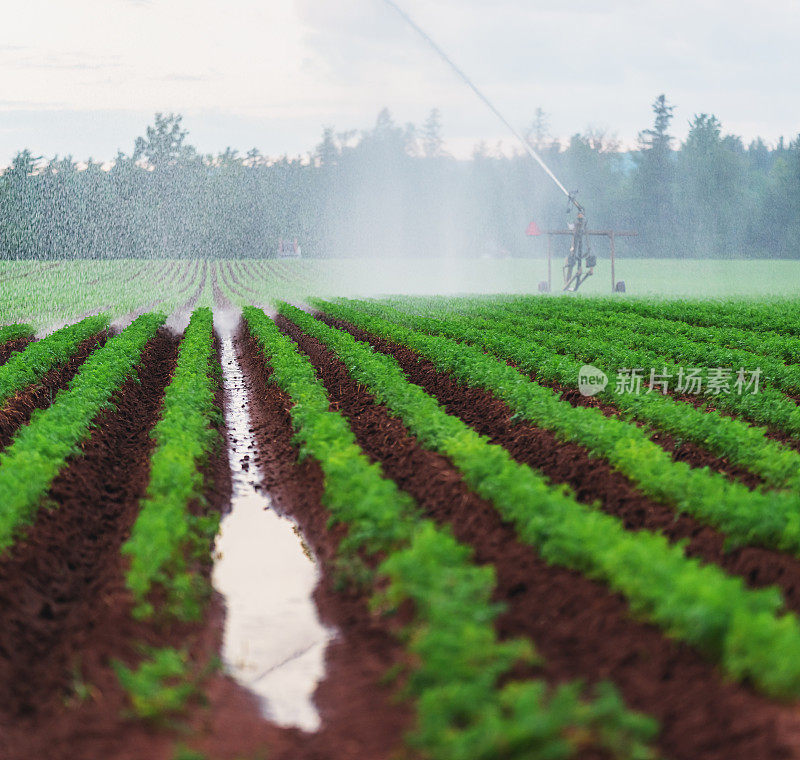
(653, 184)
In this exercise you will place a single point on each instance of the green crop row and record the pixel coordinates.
(40, 449)
(15, 332)
(165, 533)
(743, 444)
(27, 367)
(669, 345)
(769, 327)
(462, 714)
(769, 406)
(779, 316)
(681, 486)
(644, 317)
(744, 630)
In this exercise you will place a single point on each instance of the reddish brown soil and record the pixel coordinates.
(685, 451)
(17, 411)
(360, 715)
(11, 346)
(61, 588)
(581, 630)
(591, 478)
(45, 718)
(776, 434)
(53, 721)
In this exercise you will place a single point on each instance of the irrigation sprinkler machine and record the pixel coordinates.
(580, 261)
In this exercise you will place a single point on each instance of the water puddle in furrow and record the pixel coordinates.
(274, 644)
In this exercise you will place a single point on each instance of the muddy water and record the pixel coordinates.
(274, 643)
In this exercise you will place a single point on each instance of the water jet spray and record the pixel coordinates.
(580, 251)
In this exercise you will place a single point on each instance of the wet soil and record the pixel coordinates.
(681, 451)
(591, 478)
(360, 714)
(64, 610)
(64, 633)
(17, 411)
(12, 346)
(581, 629)
(76, 708)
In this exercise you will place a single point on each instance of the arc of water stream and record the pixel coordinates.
(488, 103)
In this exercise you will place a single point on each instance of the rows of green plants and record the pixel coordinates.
(666, 344)
(644, 317)
(780, 316)
(706, 321)
(457, 660)
(40, 449)
(743, 444)
(15, 332)
(64, 293)
(744, 630)
(722, 347)
(166, 537)
(27, 367)
(775, 316)
(768, 407)
(89, 286)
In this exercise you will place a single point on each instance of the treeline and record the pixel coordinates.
(393, 190)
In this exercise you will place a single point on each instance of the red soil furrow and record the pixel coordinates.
(360, 715)
(581, 630)
(592, 478)
(684, 451)
(17, 411)
(54, 582)
(96, 728)
(776, 434)
(12, 346)
(681, 451)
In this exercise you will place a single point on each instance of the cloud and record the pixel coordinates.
(182, 78)
(25, 58)
(582, 61)
(293, 66)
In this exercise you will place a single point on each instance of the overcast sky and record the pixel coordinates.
(85, 76)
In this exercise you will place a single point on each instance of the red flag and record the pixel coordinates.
(533, 229)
